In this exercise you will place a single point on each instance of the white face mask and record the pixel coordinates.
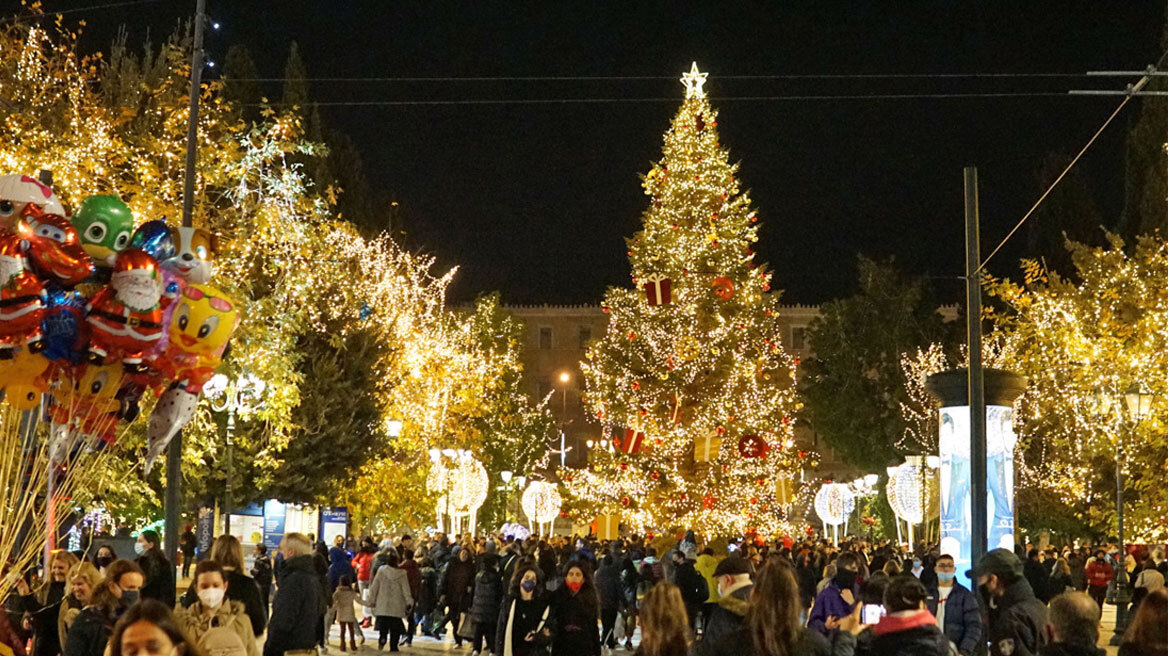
(211, 597)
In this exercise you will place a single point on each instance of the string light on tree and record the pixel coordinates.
(541, 503)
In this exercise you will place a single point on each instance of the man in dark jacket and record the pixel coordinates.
(261, 572)
(1016, 617)
(612, 598)
(1036, 575)
(955, 607)
(734, 588)
(299, 605)
(1072, 627)
(694, 590)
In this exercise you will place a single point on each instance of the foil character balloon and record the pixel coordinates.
(156, 238)
(18, 192)
(66, 333)
(105, 224)
(54, 248)
(202, 323)
(24, 380)
(174, 409)
(125, 318)
(97, 405)
(195, 251)
(22, 299)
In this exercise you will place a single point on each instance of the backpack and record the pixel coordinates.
(694, 589)
(221, 641)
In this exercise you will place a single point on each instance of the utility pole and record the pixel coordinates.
(174, 453)
(977, 410)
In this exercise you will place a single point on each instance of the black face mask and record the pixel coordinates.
(103, 561)
(845, 579)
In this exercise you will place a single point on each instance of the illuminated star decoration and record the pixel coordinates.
(694, 81)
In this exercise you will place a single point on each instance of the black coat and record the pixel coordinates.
(456, 582)
(962, 617)
(609, 587)
(44, 619)
(488, 596)
(918, 641)
(159, 577)
(89, 633)
(740, 643)
(1015, 626)
(1062, 649)
(1038, 578)
(576, 616)
(428, 592)
(726, 620)
(261, 573)
(694, 589)
(297, 608)
(528, 616)
(241, 588)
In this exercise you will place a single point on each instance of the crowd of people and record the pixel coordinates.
(585, 597)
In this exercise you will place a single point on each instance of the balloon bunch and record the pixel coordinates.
(94, 314)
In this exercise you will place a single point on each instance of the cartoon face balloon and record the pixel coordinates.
(195, 254)
(18, 192)
(203, 320)
(55, 248)
(22, 298)
(105, 224)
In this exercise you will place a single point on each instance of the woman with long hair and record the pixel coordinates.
(1145, 635)
(664, 622)
(43, 606)
(522, 628)
(149, 629)
(772, 620)
(577, 611)
(120, 590)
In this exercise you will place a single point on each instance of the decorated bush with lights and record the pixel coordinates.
(691, 380)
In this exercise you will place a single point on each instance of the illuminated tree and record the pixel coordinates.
(1105, 330)
(703, 366)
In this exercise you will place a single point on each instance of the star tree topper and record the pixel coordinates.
(693, 81)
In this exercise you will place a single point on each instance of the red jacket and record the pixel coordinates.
(1099, 573)
(363, 563)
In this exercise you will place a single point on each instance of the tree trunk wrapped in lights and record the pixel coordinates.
(706, 369)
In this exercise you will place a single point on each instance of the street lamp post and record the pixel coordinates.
(1138, 403)
(238, 397)
(565, 378)
(506, 476)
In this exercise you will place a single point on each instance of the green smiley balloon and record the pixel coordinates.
(105, 224)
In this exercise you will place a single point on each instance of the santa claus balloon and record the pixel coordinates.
(125, 317)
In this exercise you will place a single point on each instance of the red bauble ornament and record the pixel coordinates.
(625, 501)
(709, 501)
(723, 287)
(654, 475)
(624, 466)
(752, 446)
(802, 454)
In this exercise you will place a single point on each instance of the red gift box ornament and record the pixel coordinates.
(632, 442)
(658, 289)
(723, 287)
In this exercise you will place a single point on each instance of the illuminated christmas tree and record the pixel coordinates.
(691, 378)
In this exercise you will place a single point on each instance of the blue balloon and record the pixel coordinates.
(154, 237)
(65, 334)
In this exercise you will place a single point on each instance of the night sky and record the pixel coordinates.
(536, 199)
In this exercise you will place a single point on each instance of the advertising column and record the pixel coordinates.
(951, 389)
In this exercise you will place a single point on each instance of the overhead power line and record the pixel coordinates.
(1131, 91)
(617, 78)
(672, 99)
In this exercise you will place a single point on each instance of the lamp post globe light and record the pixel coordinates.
(239, 397)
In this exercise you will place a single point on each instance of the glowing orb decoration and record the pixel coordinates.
(912, 492)
(834, 503)
(541, 502)
(462, 484)
(515, 530)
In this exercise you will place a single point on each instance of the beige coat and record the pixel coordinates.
(231, 614)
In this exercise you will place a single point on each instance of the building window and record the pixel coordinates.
(585, 336)
(545, 338)
(798, 337)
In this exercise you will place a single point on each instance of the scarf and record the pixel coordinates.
(507, 644)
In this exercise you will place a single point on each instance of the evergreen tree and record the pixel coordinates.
(295, 82)
(1145, 209)
(240, 89)
(705, 370)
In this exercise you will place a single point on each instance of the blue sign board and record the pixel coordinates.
(334, 521)
(274, 515)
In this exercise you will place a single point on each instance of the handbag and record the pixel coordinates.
(618, 631)
(466, 627)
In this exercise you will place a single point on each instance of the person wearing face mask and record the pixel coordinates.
(728, 617)
(228, 552)
(215, 623)
(43, 607)
(917, 568)
(79, 587)
(955, 608)
(149, 629)
(1016, 616)
(838, 599)
(158, 570)
(907, 628)
(577, 611)
(104, 557)
(120, 590)
(524, 626)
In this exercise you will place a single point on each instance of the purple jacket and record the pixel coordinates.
(829, 603)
